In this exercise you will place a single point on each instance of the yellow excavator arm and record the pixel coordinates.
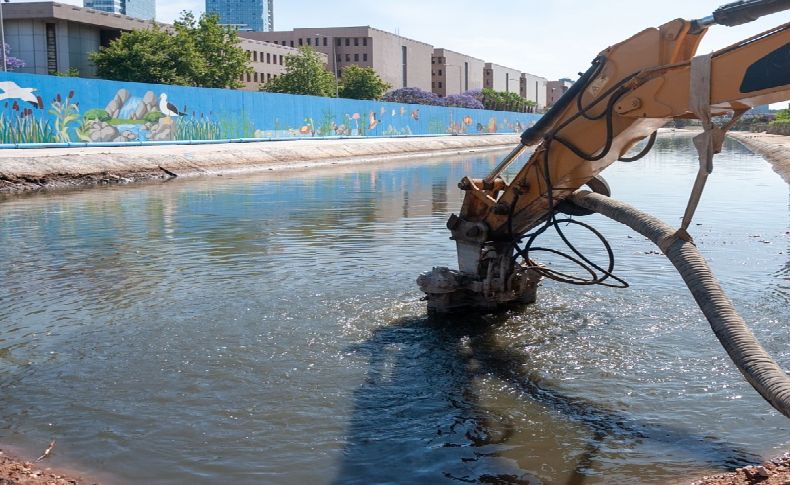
(630, 90)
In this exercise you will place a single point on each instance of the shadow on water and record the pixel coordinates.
(419, 416)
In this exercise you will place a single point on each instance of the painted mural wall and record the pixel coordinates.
(49, 109)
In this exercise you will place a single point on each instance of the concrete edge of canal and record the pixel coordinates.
(774, 148)
(50, 168)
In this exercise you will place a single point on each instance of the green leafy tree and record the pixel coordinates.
(304, 74)
(783, 115)
(220, 61)
(196, 53)
(362, 83)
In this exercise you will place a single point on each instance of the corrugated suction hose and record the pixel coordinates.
(762, 372)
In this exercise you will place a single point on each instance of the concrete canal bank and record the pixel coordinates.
(35, 169)
(774, 148)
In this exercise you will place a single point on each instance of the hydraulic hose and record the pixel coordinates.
(759, 369)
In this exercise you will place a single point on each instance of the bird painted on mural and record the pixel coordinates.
(167, 108)
(373, 120)
(12, 91)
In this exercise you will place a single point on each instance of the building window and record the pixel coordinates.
(365, 57)
(348, 42)
(268, 58)
(440, 72)
(433, 60)
(365, 41)
(348, 57)
(309, 41)
(440, 85)
(324, 41)
(338, 58)
(356, 57)
(339, 73)
(337, 42)
(255, 77)
(300, 42)
(249, 78)
(356, 41)
(283, 43)
(404, 59)
(281, 60)
(268, 76)
(292, 43)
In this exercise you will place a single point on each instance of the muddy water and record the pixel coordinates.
(268, 330)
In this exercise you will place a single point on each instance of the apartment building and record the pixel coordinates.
(400, 61)
(501, 78)
(533, 88)
(267, 60)
(555, 90)
(455, 73)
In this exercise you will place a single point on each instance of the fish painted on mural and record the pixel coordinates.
(416, 114)
(12, 90)
(480, 127)
(167, 108)
(373, 120)
(467, 120)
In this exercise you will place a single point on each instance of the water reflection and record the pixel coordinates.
(422, 401)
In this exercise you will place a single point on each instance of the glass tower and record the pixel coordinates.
(141, 9)
(245, 15)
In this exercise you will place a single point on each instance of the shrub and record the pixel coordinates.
(97, 114)
(153, 117)
(464, 100)
(413, 96)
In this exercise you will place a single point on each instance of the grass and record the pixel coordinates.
(196, 129)
(26, 129)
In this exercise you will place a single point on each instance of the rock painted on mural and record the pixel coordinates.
(151, 114)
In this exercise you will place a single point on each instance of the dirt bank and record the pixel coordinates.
(15, 471)
(774, 148)
(43, 168)
(772, 472)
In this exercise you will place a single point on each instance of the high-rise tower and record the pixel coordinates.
(141, 9)
(245, 15)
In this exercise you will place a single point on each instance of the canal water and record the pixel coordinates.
(268, 329)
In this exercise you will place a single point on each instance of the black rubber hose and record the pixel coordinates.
(759, 369)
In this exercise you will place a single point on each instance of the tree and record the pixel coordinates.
(304, 74)
(201, 53)
(222, 60)
(360, 82)
(11, 62)
(413, 96)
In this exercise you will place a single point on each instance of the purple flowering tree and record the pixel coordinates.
(413, 96)
(11, 62)
(464, 100)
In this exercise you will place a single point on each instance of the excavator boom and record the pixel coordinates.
(631, 89)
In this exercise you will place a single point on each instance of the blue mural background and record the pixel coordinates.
(49, 109)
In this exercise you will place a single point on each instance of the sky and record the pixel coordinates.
(549, 38)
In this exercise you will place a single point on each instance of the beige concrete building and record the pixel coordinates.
(501, 78)
(555, 90)
(400, 61)
(267, 60)
(533, 88)
(455, 73)
(54, 37)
